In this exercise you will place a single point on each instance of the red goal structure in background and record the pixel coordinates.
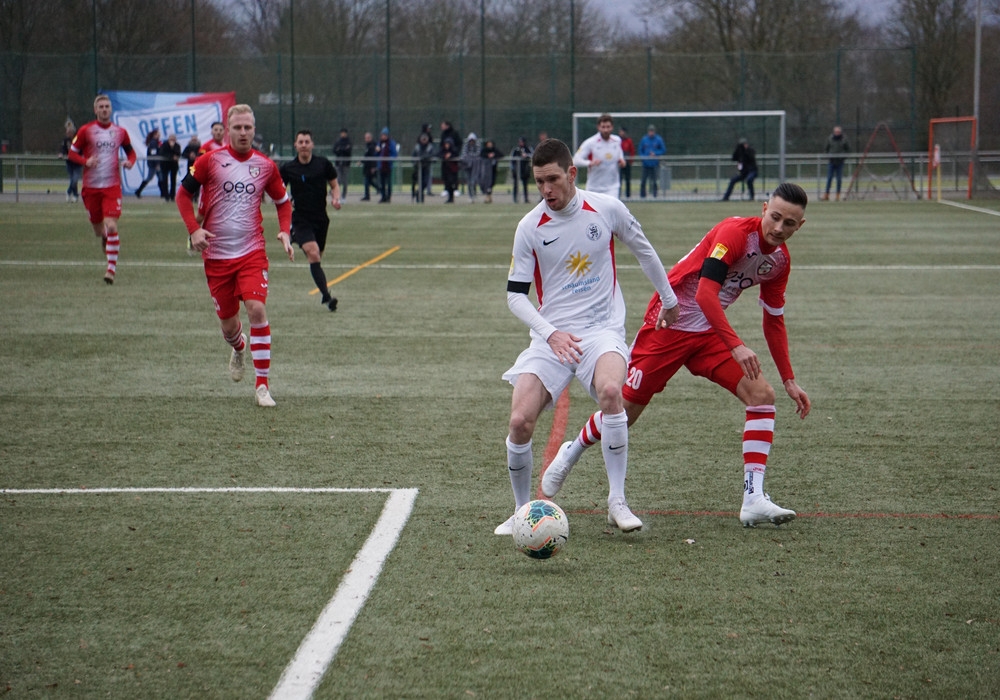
(947, 150)
(881, 172)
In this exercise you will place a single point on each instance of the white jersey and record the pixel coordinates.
(570, 256)
(601, 160)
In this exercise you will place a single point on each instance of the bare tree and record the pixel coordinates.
(941, 32)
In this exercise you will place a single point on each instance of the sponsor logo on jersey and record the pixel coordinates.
(719, 251)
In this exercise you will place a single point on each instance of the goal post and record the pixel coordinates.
(946, 147)
(732, 125)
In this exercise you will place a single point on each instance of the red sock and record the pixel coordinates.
(236, 341)
(260, 349)
(111, 246)
(758, 434)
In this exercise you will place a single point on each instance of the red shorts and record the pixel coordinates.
(238, 279)
(102, 203)
(656, 356)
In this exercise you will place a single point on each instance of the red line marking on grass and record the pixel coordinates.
(560, 418)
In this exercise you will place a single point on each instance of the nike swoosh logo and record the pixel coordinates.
(226, 165)
(615, 448)
(550, 242)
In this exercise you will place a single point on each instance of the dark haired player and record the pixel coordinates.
(739, 253)
(308, 177)
(566, 245)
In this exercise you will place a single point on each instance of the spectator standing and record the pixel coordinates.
(602, 156)
(369, 166)
(429, 182)
(746, 168)
(490, 156)
(423, 153)
(387, 151)
(190, 152)
(628, 150)
(152, 160)
(837, 147)
(307, 177)
(342, 160)
(471, 164)
(450, 165)
(96, 147)
(171, 154)
(520, 167)
(651, 149)
(73, 170)
(231, 240)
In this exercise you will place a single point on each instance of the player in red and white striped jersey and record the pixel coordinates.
(737, 254)
(233, 181)
(96, 148)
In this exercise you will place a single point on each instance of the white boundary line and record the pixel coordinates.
(981, 210)
(304, 672)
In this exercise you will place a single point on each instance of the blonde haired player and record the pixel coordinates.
(96, 147)
(233, 181)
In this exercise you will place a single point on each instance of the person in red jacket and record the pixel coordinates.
(739, 253)
(96, 147)
(230, 237)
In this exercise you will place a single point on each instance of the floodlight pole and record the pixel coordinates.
(193, 51)
(291, 46)
(976, 76)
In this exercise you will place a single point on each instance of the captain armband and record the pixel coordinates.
(715, 270)
(518, 287)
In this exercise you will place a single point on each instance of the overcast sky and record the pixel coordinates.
(625, 10)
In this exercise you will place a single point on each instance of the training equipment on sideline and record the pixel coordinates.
(540, 529)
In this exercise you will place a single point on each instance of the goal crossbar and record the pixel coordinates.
(780, 113)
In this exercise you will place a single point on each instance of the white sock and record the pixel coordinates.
(614, 445)
(753, 485)
(519, 465)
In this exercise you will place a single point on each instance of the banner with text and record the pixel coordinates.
(182, 113)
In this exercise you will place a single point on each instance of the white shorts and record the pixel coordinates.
(539, 360)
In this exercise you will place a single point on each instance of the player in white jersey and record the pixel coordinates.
(95, 147)
(566, 245)
(737, 254)
(233, 181)
(603, 158)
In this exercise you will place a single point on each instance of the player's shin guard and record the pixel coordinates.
(614, 445)
(319, 277)
(590, 435)
(758, 434)
(260, 350)
(111, 247)
(519, 465)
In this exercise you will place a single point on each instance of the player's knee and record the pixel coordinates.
(521, 427)
(760, 393)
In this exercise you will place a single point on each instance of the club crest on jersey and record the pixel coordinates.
(254, 170)
(593, 232)
(764, 268)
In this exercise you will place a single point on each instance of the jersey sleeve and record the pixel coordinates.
(629, 231)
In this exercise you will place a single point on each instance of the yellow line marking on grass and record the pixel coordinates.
(358, 268)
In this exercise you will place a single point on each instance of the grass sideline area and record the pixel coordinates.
(885, 586)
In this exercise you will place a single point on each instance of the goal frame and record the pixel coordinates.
(930, 152)
(780, 113)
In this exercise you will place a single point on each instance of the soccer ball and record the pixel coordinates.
(540, 529)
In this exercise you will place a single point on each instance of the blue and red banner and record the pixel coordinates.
(185, 114)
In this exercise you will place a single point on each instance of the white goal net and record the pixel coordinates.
(699, 145)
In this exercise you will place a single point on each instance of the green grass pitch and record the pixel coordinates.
(885, 586)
